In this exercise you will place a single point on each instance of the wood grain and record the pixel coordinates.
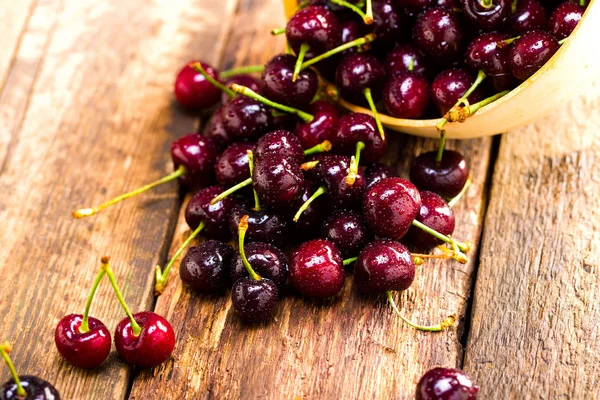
(347, 347)
(88, 106)
(534, 330)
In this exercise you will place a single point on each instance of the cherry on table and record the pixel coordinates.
(245, 118)
(446, 384)
(193, 91)
(378, 171)
(406, 95)
(348, 230)
(277, 181)
(321, 128)
(564, 19)
(404, 58)
(214, 218)
(280, 142)
(241, 79)
(530, 52)
(438, 34)
(263, 225)
(312, 217)
(384, 265)
(215, 130)
(436, 214)
(486, 14)
(450, 85)
(267, 261)
(232, 165)
(529, 15)
(316, 269)
(279, 85)
(205, 268)
(316, 27)
(445, 178)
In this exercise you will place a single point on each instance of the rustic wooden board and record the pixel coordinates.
(348, 347)
(534, 329)
(87, 103)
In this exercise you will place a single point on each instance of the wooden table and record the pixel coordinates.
(87, 112)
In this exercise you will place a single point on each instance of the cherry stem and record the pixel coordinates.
(307, 166)
(435, 256)
(247, 69)
(441, 146)
(231, 190)
(352, 7)
(560, 42)
(87, 212)
(349, 261)
(369, 13)
(5, 349)
(301, 54)
(111, 277)
(369, 97)
(411, 65)
(447, 323)
(452, 202)
(475, 107)
(277, 31)
(320, 191)
(161, 277)
(84, 323)
(513, 6)
(503, 43)
(354, 163)
(322, 147)
(251, 166)
(198, 68)
(486, 3)
(306, 117)
(242, 228)
(354, 43)
(463, 100)
(462, 246)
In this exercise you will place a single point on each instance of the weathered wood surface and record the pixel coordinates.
(534, 330)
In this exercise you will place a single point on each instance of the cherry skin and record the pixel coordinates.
(483, 16)
(280, 142)
(390, 206)
(82, 350)
(232, 165)
(348, 231)
(529, 15)
(438, 34)
(406, 95)
(215, 130)
(331, 171)
(278, 85)
(266, 260)
(321, 128)
(564, 19)
(450, 85)
(316, 269)
(254, 301)
(446, 178)
(446, 384)
(198, 155)
(244, 80)
(245, 118)
(384, 265)
(358, 127)
(388, 23)
(193, 91)
(205, 268)
(315, 26)
(416, 5)
(36, 388)
(436, 214)
(358, 72)
(404, 58)
(378, 171)
(484, 53)
(277, 181)
(153, 346)
(263, 225)
(215, 217)
(530, 52)
(351, 30)
(312, 217)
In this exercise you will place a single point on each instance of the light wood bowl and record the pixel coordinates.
(575, 64)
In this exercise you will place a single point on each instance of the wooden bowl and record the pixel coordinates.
(575, 64)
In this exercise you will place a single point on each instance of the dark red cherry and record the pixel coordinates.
(152, 347)
(406, 95)
(316, 269)
(193, 91)
(82, 350)
(388, 23)
(198, 155)
(254, 301)
(357, 72)
(263, 225)
(348, 231)
(378, 171)
(245, 118)
(315, 26)
(280, 142)
(417, 5)
(438, 34)
(564, 19)
(484, 53)
(312, 217)
(530, 52)
(358, 127)
(446, 178)
(244, 80)
(450, 85)
(205, 268)
(446, 384)
(436, 214)
(529, 15)
(215, 217)
(266, 260)
(321, 128)
(232, 165)
(215, 131)
(486, 14)
(384, 265)
(277, 181)
(404, 58)
(278, 85)
(36, 389)
(390, 206)
(351, 30)
(331, 171)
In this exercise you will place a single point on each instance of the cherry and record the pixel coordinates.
(24, 387)
(321, 127)
(332, 171)
(355, 128)
(530, 52)
(245, 118)
(351, 32)
(445, 178)
(384, 265)
(438, 34)
(529, 15)
(193, 91)
(360, 76)
(315, 27)
(348, 231)
(82, 340)
(204, 268)
(232, 165)
(378, 171)
(450, 85)
(387, 23)
(215, 131)
(485, 53)
(316, 269)
(406, 95)
(263, 225)
(486, 14)
(280, 142)
(267, 260)
(564, 19)
(244, 80)
(404, 58)
(277, 181)
(436, 214)
(278, 83)
(446, 384)
(416, 5)
(314, 214)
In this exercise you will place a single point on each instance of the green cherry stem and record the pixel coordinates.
(111, 277)
(301, 54)
(84, 323)
(253, 95)
(369, 97)
(354, 163)
(161, 277)
(447, 323)
(463, 100)
(354, 43)
(198, 68)
(5, 349)
(277, 31)
(503, 43)
(354, 8)
(441, 146)
(349, 261)
(369, 13)
(247, 69)
(465, 247)
(242, 228)
(320, 191)
(87, 212)
(231, 190)
(322, 147)
(452, 202)
(561, 41)
(251, 167)
(462, 113)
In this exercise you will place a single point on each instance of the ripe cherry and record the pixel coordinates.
(438, 34)
(404, 58)
(486, 53)
(406, 95)
(278, 83)
(314, 214)
(388, 23)
(321, 127)
(280, 142)
(436, 214)
(450, 85)
(530, 52)
(348, 231)
(446, 384)
(564, 19)
(245, 118)
(277, 181)
(315, 27)
(378, 171)
(205, 268)
(316, 269)
(355, 128)
(193, 91)
(384, 265)
(445, 178)
(529, 15)
(417, 5)
(486, 14)
(232, 165)
(263, 225)
(244, 80)
(215, 131)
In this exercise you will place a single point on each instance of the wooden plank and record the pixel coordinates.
(348, 347)
(90, 98)
(534, 330)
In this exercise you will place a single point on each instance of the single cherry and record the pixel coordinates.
(486, 14)
(404, 58)
(436, 214)
(488, 54)
(530, 52)
(348, 231)
(529, 15)
(358, 127)
(388, 23)
(321, 127)
(316, 269)
(378, 171)
(215, 130)
(438, 34)
(263, 225)
(205, 268)
(406, 95)
(446, 384)
(278, 83)
(384, 265)
(564, 19)
(232, 165)
(277, 181)
(332, 172)
(314, 214)
(351, 30)
(445, 178)
(280, 142)
(266, 260)
(450, 85)
(315, 27)
(359, 76)
(244, 80)
(193, 91)
(245, 118)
